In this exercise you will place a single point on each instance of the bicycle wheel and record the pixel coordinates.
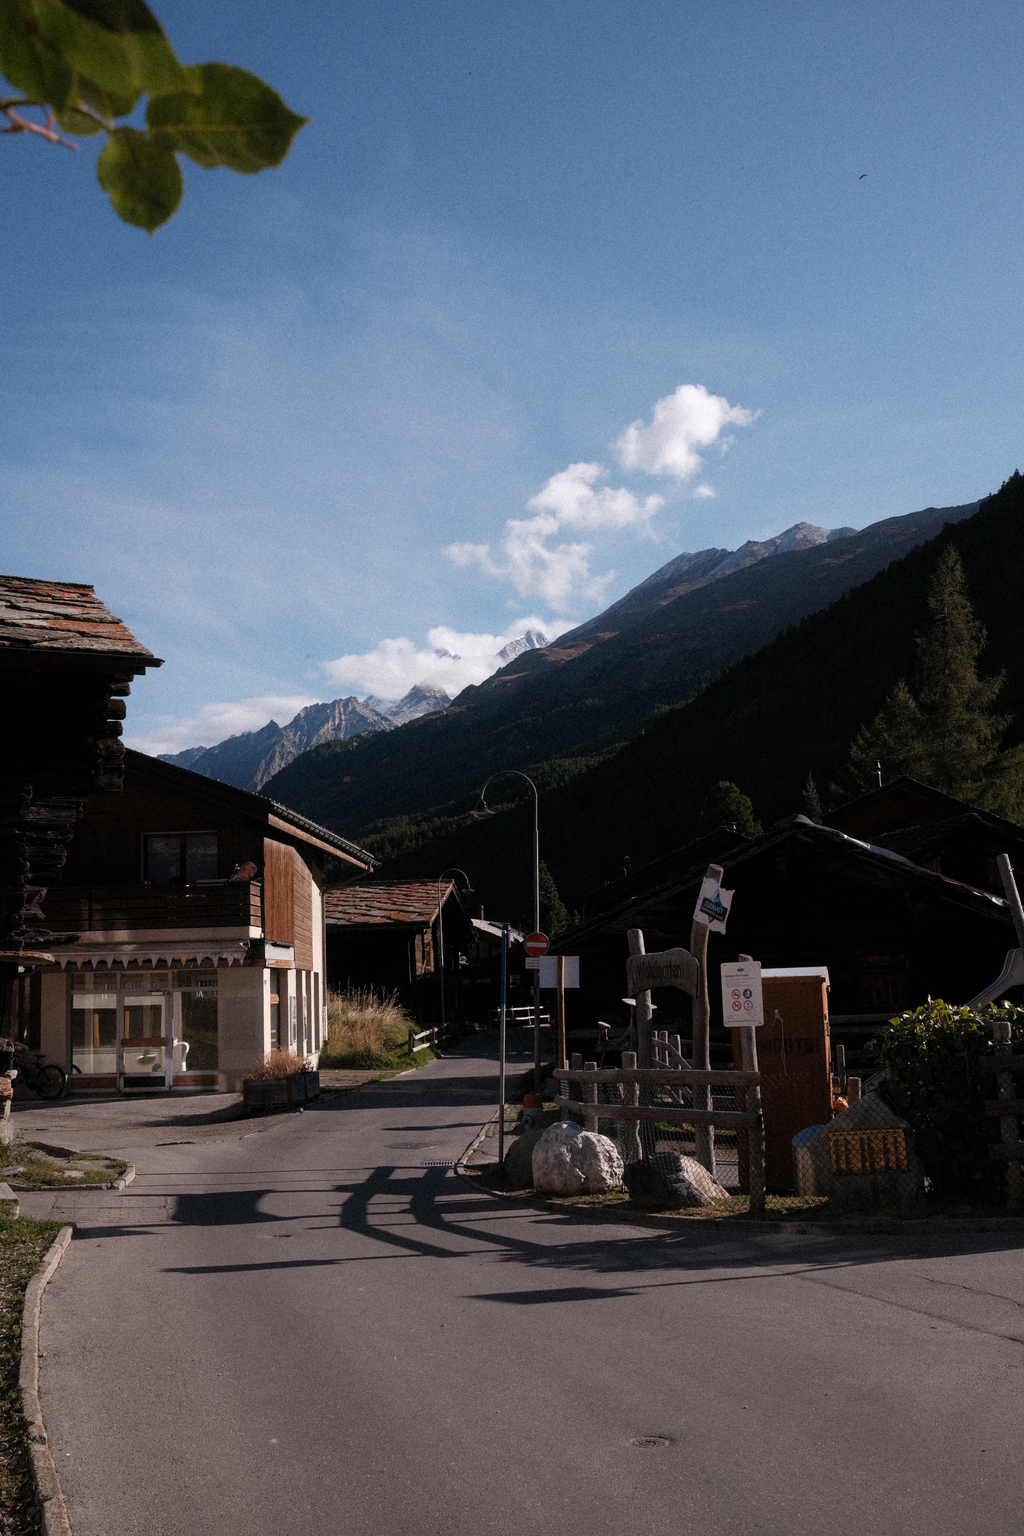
(50, 1082)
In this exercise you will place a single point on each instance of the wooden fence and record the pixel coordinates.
(427, 1037)
(621, 1102)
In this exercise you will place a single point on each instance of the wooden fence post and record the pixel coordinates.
(631, 1148)
(590, 1094)
(644, 1011)
(755, 1135)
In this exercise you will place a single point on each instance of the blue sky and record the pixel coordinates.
(294, 437)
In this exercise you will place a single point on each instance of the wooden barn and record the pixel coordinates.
(387, 935)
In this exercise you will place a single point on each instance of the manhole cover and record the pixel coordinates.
(409, 1146)
(648, 1442)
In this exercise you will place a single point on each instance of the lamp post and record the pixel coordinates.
(467, 890)
(481, 811)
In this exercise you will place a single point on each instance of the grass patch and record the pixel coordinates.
(36, 1165)
(23, 1244)
(368, 1031)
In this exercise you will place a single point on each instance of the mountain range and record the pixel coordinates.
(249, 759)
(604, 682)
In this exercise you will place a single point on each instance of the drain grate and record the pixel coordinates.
(437, 1162)
(648, 1442)
(409, 1146)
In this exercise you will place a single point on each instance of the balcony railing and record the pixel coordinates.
(106, 908)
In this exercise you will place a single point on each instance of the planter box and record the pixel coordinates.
(283, 1092)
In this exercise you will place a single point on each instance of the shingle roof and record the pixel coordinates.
(395, 902)
(60, 616)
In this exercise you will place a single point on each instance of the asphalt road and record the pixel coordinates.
(302, 1326)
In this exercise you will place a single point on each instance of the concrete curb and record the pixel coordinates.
(460, 1165)
(128, 1177)
(44, 1472)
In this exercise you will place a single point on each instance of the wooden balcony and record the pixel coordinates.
(109, 908)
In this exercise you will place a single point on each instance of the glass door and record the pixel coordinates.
(143, 1056)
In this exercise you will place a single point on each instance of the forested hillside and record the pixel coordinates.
(596, 687)
(788, 711)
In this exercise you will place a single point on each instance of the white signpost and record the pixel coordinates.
(741, 994)
(548, 967)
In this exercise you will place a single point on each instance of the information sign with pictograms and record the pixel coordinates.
(537, 944)
(741, 994)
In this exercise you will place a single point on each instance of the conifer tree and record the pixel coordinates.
(727, 806)
(812, 800)
(962, 733)
(896, 738)
(555, 916)
(946, 732)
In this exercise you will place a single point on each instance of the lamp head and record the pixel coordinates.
(482, 810)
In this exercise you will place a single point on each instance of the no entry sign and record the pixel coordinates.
(537, 944)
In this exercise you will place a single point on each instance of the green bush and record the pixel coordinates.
(934, 1084)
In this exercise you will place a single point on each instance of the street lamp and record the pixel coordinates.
(483, 810)
(467, 890)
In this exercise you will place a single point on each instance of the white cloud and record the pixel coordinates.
(560, 575)
(452, 660)
(216, 722)
(683, 422)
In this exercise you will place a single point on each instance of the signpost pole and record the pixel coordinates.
(562, 1059)
(705, 1134)
(501, 1048)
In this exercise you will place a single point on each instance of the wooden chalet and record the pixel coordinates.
(386, 935)
(936, 831)
(198, 912)
(66, 666)
(890, 931)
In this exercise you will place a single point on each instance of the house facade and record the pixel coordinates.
(200, 946)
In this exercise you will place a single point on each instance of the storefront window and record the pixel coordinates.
(94, 1023)
(142, 1007)
(198, 1031)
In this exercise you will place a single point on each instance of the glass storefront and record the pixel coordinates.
(144, 1026)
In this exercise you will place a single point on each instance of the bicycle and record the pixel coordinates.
(49, 1081)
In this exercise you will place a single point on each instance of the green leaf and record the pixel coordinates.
(71, 120)
(117, 44)
(35, 66)
(235, 120)
(143, 179)
(107, 103)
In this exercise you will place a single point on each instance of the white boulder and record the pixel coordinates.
(570, 1161)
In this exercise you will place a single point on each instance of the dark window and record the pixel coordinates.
(181, 858)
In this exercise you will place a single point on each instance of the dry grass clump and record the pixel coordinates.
(364, 1029)
(276, 1064)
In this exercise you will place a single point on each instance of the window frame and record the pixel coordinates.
(182, 837)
